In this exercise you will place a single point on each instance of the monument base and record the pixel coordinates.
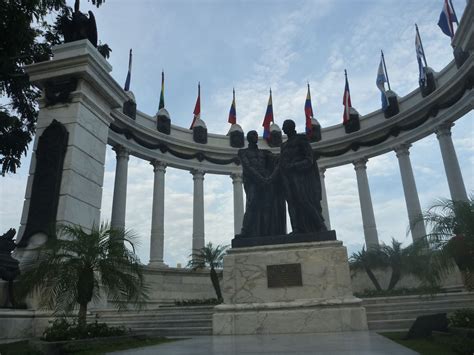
(288, 288)
(283, 239)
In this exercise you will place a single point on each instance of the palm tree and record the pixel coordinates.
(71, 265)
(452, 236)
(367, 260)
(212, 257)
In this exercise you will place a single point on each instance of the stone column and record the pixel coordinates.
(368, 218)
(158, 215)
(411, 194)
(450, 161)
(119, 201)
(238, 202)
(324, 198)
(198, 209)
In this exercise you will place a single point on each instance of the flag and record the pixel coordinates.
(232, 113)
(129, 74)
(420, 57)
(162, 94)
(447, 18)
(380, 82)
(268, 118)
(346, 101)
(308, 112)
(197, 108)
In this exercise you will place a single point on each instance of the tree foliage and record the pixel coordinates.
(70, 268)
(212, 257)
(27, 36)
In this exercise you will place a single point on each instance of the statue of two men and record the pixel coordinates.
(269, 182)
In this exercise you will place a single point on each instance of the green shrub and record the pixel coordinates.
(398, 292)
(463, 318)
(61, 329)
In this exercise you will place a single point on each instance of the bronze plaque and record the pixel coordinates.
(284, 275)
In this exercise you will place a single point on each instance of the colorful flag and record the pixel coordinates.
(308, 112)
(268, 118)
(447, 18)
(129, 74)
(420, 57)
(197, 108)
(162, 95)
(346, 101)
(380, 82)
(232, 113)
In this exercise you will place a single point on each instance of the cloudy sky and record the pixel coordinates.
(253, 45)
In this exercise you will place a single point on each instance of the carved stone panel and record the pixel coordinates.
(43, 208)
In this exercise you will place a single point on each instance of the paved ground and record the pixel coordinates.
(366, 343)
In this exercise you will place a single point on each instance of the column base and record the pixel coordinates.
(157, 264)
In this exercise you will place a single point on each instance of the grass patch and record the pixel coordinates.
(437, 344)
(399, 292)
(24, 348)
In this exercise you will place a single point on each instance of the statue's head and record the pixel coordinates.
(252, 137)
(289, 127)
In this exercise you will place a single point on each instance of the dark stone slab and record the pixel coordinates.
(284, 239)
(284, 275)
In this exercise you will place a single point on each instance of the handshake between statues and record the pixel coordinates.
(271, 182)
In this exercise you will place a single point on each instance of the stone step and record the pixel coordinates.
(128, 316)
(175, 332)
(421, 305)
(399, 324)
(405, 314)
(163, 324)
(417, 298)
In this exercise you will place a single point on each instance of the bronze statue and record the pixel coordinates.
(9, 269)
(265, 212)
(79, 26)
(301, 183)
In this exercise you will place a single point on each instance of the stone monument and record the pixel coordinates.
(286, 283)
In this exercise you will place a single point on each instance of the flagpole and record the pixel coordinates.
(454, 13)
(385, 68)
(421, 44)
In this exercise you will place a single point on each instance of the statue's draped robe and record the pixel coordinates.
(265, 212)
(302, 186)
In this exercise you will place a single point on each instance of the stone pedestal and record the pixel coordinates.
(288, 288)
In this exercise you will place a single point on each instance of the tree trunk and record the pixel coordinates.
(396, 275)
(373, 279)
(81, 317)
(215, 283)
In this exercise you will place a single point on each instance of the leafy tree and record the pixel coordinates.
(451, 225)
(212, 257)
(367, 260)
(70, 267)
(26, 38)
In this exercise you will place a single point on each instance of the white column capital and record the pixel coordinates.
(197, 174)
(158, 165)
(236, 178)
(444, 130)
(121, 152)
(402, 149)
(360, 164)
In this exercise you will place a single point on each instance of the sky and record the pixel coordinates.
(253, 45)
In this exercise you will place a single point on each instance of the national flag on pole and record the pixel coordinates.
(232, 113)
(268, 118)
(420, 57)
(162, 94)
(447, 18)
(346, 101)
(129, 74)
(308, 112)
(197, 108)
(380, 82)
